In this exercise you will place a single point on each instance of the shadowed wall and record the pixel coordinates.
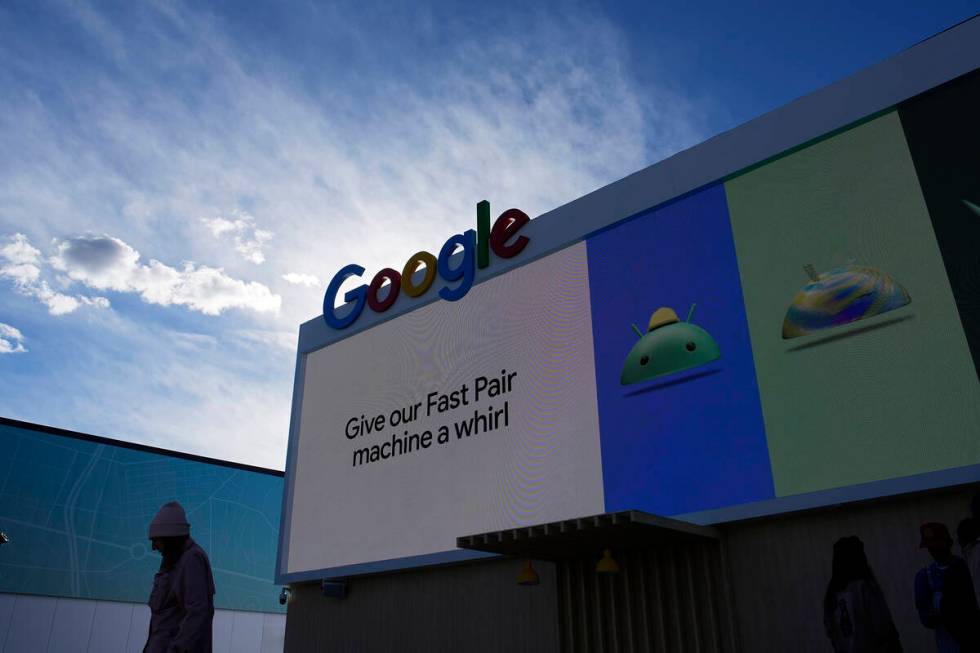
(472, 607)
(780, 567)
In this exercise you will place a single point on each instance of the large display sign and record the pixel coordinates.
(470, 415)
(808, 327)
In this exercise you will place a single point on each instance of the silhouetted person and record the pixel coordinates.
(182, 601)
(944, 594)
(855, 612)
(968, 535)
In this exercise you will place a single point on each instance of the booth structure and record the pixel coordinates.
(78, 568)
(671, 395)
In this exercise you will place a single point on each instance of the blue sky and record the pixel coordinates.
(179, 181)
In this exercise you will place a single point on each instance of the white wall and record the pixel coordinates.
(34, 624)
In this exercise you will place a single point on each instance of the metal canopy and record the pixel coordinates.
(582, 536)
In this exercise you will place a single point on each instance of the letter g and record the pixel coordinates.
(357, 295)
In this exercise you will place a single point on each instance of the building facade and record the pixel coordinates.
(806, 367)
(78, 569)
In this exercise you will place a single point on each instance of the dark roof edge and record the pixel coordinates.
(593, 523)
(943, 31)
(52, 430)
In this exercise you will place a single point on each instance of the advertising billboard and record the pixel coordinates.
(802, 330)
(464, 416)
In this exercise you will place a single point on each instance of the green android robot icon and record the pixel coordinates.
(668, 346)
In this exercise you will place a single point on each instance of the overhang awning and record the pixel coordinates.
(584, 536)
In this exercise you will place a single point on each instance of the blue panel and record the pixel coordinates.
(693, 439)
(77, 513)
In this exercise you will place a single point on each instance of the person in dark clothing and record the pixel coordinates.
(182, 600)
(944, 594)
(855, 613)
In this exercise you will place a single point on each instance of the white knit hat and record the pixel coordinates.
(171, 521)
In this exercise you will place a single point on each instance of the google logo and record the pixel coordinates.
(475, 245)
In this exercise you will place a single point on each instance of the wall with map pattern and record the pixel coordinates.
(76, 510)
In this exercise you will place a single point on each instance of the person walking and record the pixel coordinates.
(182, 599)
(944, 595)
(855, 613)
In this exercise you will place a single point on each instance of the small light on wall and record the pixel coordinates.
(607, 565)
(3, 538)
(527, 575)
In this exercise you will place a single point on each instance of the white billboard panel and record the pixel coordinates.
(456, 418)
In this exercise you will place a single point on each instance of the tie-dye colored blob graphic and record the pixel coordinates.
(840, 296)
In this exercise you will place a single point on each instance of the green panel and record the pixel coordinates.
(889, 395)
(77, 513)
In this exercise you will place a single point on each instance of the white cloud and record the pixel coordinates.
(108, 263)
(247, 238)
(301, 279)
(22, 274)
(57, 303)
(184, 391)
(368, 177)
(19, 251)
(21, 262)
(11, 340)
(364, 168)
